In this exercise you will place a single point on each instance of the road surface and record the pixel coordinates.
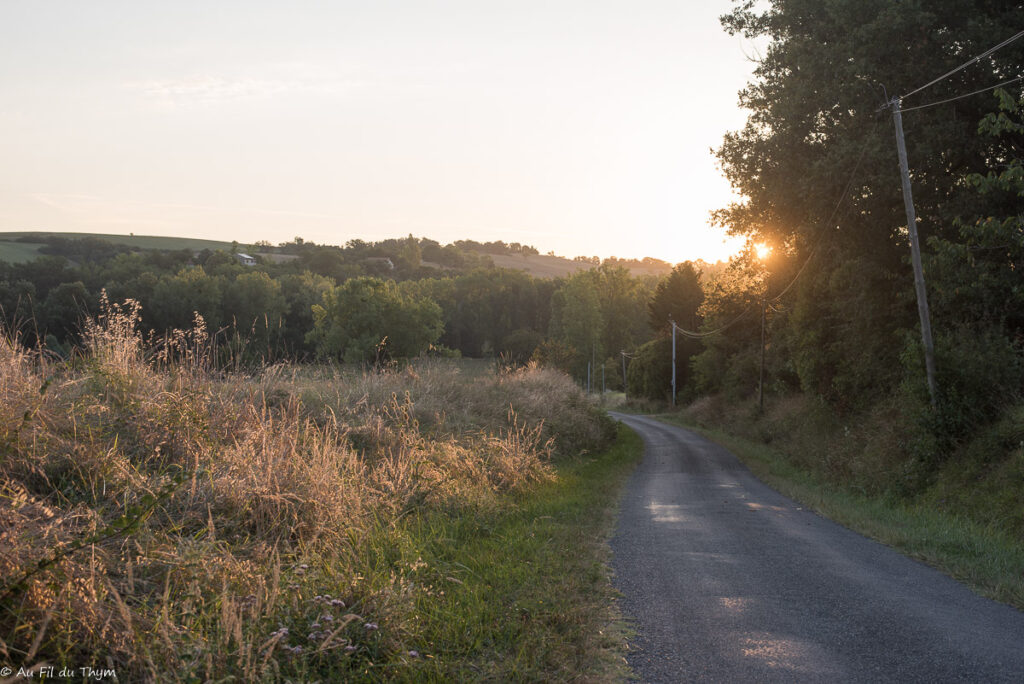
(728, 581)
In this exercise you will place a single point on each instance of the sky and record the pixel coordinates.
(582, 127)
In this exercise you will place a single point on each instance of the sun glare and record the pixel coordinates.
(763, 251)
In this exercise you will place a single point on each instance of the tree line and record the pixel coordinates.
(361, 303)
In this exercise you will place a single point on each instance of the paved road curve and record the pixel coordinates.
(729, 581)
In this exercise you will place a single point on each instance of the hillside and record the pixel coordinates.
(548, 266)
(13, 251)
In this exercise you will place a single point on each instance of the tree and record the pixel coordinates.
(367, 319)
(815, 135)
(254, 303)
(577, 322)
(176, 300)
(677, 297)
(64, 308)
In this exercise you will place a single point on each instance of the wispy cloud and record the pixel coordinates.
(211, 89)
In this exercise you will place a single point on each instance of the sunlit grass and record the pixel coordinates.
(296, 523)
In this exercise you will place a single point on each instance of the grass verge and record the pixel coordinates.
(178, 523)
(520, 592)
(987, 559)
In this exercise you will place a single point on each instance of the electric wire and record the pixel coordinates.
(846, 190)
(965, 64)
(835, 210)
(701, 335)
(960, 97)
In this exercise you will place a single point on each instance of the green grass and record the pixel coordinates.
(18, 252)
(7, 246)
(986, 558)
(520, 592)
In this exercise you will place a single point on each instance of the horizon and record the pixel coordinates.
(255, 246)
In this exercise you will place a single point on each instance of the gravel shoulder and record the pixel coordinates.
(727, 580)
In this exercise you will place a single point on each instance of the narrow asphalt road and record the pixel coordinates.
(728, 581)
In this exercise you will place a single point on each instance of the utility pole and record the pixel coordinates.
(588, 377)
(673, 361)
(625, 387)
(593, 361)
(760, 382)
(915, 254)
(602, 380)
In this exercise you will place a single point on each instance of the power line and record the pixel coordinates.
(849, 184)
(835, 210)
(960, 97)
(965, 64)
(699, 335)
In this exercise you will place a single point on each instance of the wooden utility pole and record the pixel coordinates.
(625, 387)
(915, 254)
(760, 382)
(673, 361)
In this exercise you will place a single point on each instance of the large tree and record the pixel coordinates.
(677, 297)
(816, 163)
(367, 319)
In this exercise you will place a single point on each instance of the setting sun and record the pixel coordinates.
(762, 250)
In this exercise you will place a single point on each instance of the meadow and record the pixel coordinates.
(422, 522)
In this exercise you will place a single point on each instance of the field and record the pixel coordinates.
(15, 252)
(430, 522)
(18, 252)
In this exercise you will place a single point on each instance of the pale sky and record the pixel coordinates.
(578, 126)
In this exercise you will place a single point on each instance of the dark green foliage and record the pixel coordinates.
(372, 320)
(650, 370)
(815, 137)
(599, 312)
(678, 297)
(64, 307)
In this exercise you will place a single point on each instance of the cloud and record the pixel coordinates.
(212, 89)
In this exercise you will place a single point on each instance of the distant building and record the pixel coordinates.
(245, 259)
(382, 262)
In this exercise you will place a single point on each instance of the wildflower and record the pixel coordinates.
(315, 625)
(326, 618)
(350, 649)
(293, 587)
(414, 654)
(296, 650)
(370, 626)
(337, 603)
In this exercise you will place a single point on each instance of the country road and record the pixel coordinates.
(728, 581)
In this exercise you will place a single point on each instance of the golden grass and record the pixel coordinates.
(177, 523)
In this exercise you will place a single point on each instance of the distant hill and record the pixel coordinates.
(16, 247)
(14, 251)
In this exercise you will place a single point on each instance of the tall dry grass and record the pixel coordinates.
(177, 523)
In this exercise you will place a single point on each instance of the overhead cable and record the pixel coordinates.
(835, 210)
(699, 335)
(960, 97)
(966, 64)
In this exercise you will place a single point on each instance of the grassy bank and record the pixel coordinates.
(522, 592)
(175, 523)
(963, 517)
